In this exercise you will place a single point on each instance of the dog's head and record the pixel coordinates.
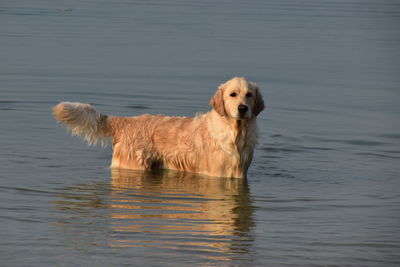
(238, 99)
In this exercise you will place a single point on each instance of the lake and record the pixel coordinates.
(324, 185)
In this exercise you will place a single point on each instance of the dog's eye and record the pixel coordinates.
(249, 95)
(233, 94)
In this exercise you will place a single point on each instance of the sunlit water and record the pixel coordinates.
(323, 189)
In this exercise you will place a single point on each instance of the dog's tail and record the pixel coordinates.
(84, 121)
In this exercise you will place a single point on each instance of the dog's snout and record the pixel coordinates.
(243, 108)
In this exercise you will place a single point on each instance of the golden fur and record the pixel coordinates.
(218, 143)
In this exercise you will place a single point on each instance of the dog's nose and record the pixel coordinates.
(243, 108)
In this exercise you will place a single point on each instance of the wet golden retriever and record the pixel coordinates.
(217, 143)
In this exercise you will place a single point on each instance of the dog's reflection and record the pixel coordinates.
(160, 209)
(202, 212)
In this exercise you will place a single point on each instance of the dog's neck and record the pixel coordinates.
(242, 132)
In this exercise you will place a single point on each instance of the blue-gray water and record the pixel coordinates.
(323, 189)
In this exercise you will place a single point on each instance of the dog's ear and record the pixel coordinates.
(259, 102)
(217, 102)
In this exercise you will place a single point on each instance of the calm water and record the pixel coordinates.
(324, 187)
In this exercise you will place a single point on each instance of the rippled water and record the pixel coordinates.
(323, 189)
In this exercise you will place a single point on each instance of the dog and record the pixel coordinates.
(218, 143)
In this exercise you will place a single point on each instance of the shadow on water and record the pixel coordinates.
(166, 211)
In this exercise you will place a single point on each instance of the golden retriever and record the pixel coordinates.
(217, 143)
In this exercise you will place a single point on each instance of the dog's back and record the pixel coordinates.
(147, 141)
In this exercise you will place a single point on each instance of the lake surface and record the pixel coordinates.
(324, 186)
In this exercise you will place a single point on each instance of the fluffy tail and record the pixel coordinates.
(84, 121)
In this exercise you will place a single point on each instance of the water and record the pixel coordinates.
(323, 189)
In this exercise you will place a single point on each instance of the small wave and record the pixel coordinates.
(357, 244)
(390, 136)
(357, 142)
(295, 149)
(361, 142)
(278, 150)
(276, 136)
(270, 199)
(306, 110)
(27, 190)
(9, 102)
(379, 155)
(18, 219)
(137, 106)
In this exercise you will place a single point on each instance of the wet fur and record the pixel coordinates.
(217, 143)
